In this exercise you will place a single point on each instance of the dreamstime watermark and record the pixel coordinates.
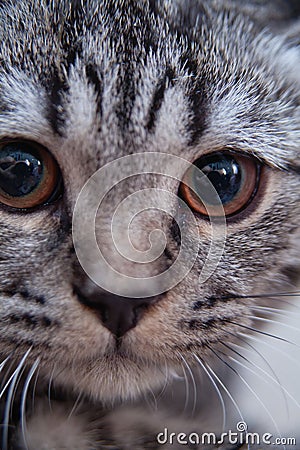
(142, 199)
(240, 436)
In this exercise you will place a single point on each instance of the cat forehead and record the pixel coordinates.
(118, 70)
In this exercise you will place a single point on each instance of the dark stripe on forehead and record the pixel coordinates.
(158, 97)
(56, 87)
(197, 96)
(127, 89)
(92, 74)
(198, 106)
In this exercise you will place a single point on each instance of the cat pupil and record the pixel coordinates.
(22, 171)
(224, 172)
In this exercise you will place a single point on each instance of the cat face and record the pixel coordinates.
(82, 88)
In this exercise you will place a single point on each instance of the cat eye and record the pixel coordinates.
(234, 177)
(29, 175)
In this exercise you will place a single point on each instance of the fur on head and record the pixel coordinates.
(94, 81)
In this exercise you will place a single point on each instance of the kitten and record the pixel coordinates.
(183, 91)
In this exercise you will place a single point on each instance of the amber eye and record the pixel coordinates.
(29, 175)
(234, 178)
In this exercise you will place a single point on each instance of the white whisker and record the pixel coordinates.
(75, 406)
(187, 390)
(166, 382)
(276, 322)
(217, 390)
(253, 393)
(233, 401)
(194, 384)
(49, 387)
(262, 378)
(253, 349)
(273, 347)
(281, 312)
(23, 401)
(12, 382)
(34, 388)
(4, 362)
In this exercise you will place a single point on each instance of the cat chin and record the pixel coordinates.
(113, 380)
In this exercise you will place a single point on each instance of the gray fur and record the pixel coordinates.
(80, 79)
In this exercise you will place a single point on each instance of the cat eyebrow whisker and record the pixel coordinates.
(200, 362)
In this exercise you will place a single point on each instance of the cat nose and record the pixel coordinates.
(117, 314)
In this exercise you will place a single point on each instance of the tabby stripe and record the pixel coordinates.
(30, 320)
(158, 97)
(197, 99)
(195, 324)
(57, 86)
(25, 295)
(94, 79)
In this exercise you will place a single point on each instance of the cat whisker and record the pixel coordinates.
(13, 382)
(4, 362)
(264, 333)
(267, 344)
(13, 374)
(193, 383)
(251, 390)
(23, 400)
(7, 374)
(75, 406)
(226, 390)
(34, 388)
(262, 378)
(277, 296)
(253, 349)
(202, 365)
(153, 405)
(187, 390)
(50, 387)
(167, 379)
(265, 295)
(270, 310)
(276, 322)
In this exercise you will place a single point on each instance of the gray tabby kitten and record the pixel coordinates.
(81, 85)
